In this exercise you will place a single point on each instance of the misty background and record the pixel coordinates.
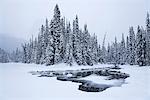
(20, 19)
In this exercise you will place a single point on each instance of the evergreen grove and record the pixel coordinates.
(59, 41)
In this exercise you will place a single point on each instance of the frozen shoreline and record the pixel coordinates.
(17, 84)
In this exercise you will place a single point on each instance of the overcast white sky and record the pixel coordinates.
(22, 18)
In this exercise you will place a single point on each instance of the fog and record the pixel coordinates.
(23, 18)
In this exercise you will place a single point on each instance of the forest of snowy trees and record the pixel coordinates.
(59, 41)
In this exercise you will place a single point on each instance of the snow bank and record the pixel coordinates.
(17, 84)
(102, 80)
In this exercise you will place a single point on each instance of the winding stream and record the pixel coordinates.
(87, 78)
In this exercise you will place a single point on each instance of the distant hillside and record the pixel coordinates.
(9, 43)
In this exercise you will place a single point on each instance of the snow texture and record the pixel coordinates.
(16, 83)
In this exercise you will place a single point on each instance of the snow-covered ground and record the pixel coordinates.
(16, 83)
(102, 80)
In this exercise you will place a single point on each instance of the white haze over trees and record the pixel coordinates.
(22, 18)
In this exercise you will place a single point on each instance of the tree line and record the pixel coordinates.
(60, 42)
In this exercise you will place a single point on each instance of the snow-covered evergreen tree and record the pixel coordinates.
(77, 51)
(141, 47)
(69, 49)
(63, 38)
(122, 51)
(46, 33)
(82, 47)
(28, 53)
(144, 46)
(16, 56)
(108, 54)
(39, 49)
(49, 55)
(148, 39)
(112, 53)
(35, 46)
(43, 48)
(87, 47)
(25, 58)
(94, 45)
(50, 50)
(104, 51)
(131, 46)
(31, 48)
(57, 35)
(4, 56)
(116, 51)
(100, 60)
(127, 51)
